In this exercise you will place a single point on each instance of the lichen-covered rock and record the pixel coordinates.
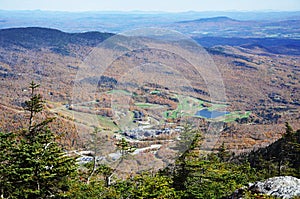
(281, 187)
(285, 187)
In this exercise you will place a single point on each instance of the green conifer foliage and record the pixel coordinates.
(32, 164)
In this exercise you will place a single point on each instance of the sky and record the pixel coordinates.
(151, 5)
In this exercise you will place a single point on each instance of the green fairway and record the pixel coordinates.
(107, 123)
(236, 115)
(188, 106)
(123, 92)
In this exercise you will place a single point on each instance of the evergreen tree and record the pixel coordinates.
(35, 166)
(288, 129)
(279, 158)
(153, 186)
(190, 139)
(200, 174)
(124, 147)
(223, 153)
(7, 143)
(209, 177)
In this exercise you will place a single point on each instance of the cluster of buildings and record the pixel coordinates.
(142, 133)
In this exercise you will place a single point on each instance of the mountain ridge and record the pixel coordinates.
(211, 19)
(44, 36)
(36, 37)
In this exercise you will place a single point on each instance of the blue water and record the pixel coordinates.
(211, 114)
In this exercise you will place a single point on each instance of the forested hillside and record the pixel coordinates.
(260, 79)
(34, 165)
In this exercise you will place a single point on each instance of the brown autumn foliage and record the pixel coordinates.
(256, 80)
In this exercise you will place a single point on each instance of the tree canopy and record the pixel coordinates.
(34, 165)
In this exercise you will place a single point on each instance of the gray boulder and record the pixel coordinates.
(281, 187)
(285, 187)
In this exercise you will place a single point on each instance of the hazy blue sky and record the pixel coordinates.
(149, 5)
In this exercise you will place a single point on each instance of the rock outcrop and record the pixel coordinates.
(285, 187)
(281, 187)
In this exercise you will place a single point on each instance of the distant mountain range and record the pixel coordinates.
(227, 27)
(58, 41)
(271, 45)
(222, 19)
(221, 24)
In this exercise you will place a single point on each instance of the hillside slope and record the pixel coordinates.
(256, 79)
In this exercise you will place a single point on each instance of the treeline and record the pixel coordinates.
(33, 165)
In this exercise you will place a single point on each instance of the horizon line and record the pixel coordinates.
(147, 11)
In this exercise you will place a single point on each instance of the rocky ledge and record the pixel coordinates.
(285, 187)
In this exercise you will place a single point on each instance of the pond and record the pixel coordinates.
(211, 114)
